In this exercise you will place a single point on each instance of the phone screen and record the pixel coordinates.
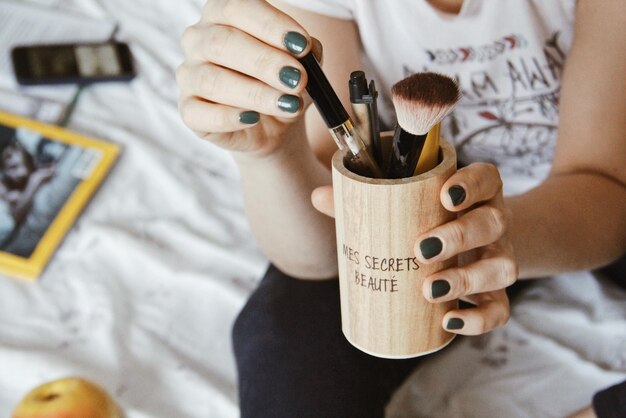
(63, 61)
(73, 63)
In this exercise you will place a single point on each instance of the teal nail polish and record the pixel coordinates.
(295, 42)
(289, 103)
(430, 247)
(457, 195)
(440, 288)
(455, 323)
(290, 76)
(249, 117)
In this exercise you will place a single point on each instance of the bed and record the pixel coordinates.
(143, 291)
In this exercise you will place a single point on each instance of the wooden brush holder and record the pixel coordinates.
(383, 310)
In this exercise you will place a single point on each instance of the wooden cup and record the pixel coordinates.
(383, 310)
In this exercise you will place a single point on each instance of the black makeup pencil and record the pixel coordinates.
(359, 93)
(363, 99)
(421, 101)
(341, 128)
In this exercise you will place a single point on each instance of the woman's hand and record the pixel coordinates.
(241, 84)
(478, 236)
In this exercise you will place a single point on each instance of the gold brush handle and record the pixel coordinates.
(430, 153)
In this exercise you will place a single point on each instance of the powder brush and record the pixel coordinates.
(421, 101)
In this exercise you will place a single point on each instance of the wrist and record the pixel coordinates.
(292, 147)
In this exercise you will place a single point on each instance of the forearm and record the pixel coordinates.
(570, 222)
(293, 235)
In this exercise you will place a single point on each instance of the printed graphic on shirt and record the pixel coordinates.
(482, 53)
(509, 111)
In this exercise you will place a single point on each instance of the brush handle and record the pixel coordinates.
(406, 149)
(322, 93)
(375, 124)
(430, 153)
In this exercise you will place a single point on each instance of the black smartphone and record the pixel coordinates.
(82, 63)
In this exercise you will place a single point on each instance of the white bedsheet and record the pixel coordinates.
(142, 294)
(565, 341)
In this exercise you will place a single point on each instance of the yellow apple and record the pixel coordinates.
(70, 397)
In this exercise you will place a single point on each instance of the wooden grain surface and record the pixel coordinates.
(377, 221)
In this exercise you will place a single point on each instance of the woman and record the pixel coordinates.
(543, 105)
(21, 180)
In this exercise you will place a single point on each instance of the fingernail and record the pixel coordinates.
(457, 195)
(249, 117)
(295, 42)
(290, 76)
(455, 323)
(440, 288)
(289, 103)
(430, 247)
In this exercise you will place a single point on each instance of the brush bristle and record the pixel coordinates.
(422, 100)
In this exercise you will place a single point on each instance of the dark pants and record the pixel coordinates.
(293, 360)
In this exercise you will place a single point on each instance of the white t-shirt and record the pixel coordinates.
(507, 55)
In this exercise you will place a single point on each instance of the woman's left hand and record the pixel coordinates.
(478, 237)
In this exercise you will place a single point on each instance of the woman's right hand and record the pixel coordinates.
(241, 83)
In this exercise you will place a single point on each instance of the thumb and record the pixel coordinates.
(323, 200)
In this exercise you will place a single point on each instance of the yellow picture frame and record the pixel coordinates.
(31, 267)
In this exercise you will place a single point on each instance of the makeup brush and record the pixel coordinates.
(356, 156)
(421, 101)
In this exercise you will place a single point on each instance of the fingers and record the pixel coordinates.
(475, 183)
(478, 227)
(241, 63)
(488, 274)
(232, 48)
(475, 190)
(221, 85)
(323, 200)
(261, 20)
(492, 312)
(202, 116)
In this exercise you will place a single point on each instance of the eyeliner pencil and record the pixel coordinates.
(363, 99)
(358, 99)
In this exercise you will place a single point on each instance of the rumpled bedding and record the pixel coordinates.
(566, 339)
(142, 294)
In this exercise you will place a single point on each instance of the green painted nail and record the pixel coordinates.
(457, 195)
(289, 103)
(455, 323)
(430, 247)
(440, 288)
(290, 76)
(295, 42)
(249, 117)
